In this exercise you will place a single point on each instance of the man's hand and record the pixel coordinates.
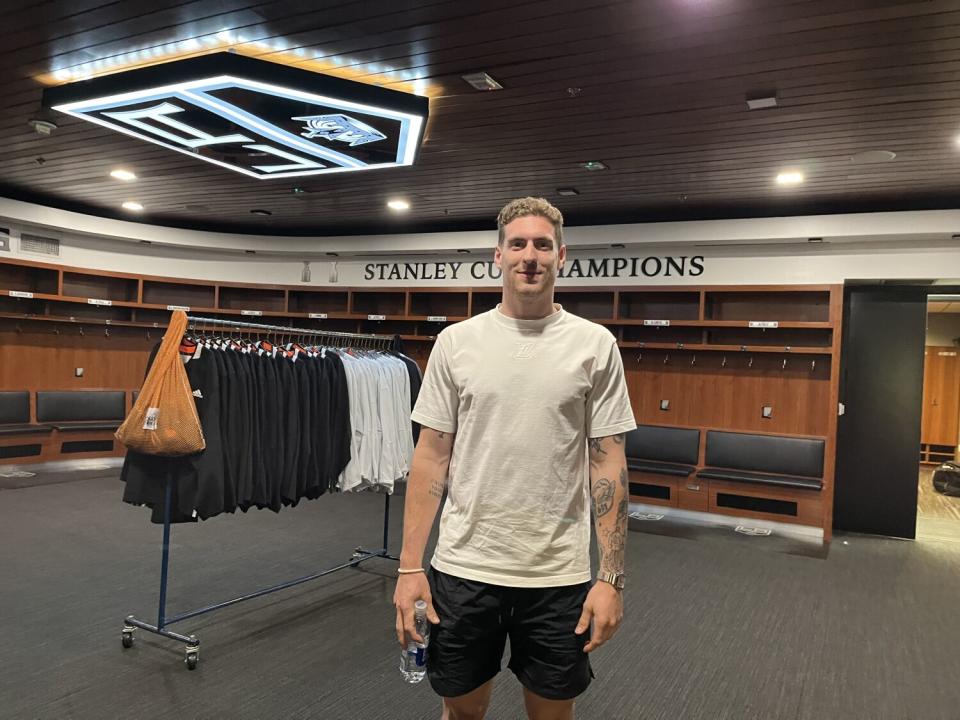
(411, 588)
(604, 606)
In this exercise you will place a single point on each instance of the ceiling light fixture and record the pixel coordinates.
(762, 101)
(567, 191)
(789, 178)
(481, 81)
(42, 127)
(132, 206)
(594, 165)
(303, 122)
(259, 211)
(464, 252)
(125, 175)
(398, 205)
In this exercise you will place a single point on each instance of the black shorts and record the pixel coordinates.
(476, 619)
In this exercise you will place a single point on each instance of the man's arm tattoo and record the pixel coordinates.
(595, 448)
(602, 497)
(437, 487)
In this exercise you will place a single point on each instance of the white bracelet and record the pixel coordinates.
(409, 571)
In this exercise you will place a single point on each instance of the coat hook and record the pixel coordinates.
(784, 366)
(81, 331)
(106, 332)
(666, 358)
(723, 363)
(750, 364)
(693, 360)
(639, 357)
(813, 365)
(19, 329)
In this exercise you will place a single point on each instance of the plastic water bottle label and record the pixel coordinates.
(421, 657)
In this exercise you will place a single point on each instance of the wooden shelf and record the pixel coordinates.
(790, 325)
(727, 348)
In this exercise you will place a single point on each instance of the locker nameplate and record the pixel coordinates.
(764, 324)
(376, 317)
(318, 316)
(436, 318)
(255, 313)
(657, 323)
(97, 301)
(20, 294)
(185, 308)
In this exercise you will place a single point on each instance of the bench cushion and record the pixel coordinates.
(789, 481)
(801, 457)
(664, 444)
(24, 429)
(660, 468)
(80, 405)
(14, 407)
(80, 426)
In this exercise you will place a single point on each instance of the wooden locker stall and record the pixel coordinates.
(940, 424)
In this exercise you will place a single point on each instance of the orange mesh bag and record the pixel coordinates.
(164, 419)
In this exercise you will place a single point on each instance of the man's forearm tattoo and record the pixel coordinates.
(602, 496)
(595, 447)
(437, 487)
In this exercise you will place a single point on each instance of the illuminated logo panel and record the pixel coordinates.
(257, 118)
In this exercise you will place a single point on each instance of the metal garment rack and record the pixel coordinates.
(131, 623)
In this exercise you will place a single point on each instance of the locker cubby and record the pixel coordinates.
(317, 301)
(350, 326)
(25, 278)
(638, 305)
(156, 292)
(779, 337)
(246, 298)
(797, 306)
(388, 327)
(20, 306)
(449, 304)
(590, 305)
(101, 287)
(484, 300)
(378, 303)
(685, 335)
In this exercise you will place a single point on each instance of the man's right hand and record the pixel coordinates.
(410, 588)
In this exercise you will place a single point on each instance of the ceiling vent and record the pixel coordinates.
(39, 245)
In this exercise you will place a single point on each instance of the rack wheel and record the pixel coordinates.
(127, 639)
(192, 659)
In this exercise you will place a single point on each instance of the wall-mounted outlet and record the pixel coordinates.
(664, 404)
(767, 411)
(78, 372)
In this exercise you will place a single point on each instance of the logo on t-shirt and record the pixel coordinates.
(524, 351)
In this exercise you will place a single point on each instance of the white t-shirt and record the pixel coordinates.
(522, 397)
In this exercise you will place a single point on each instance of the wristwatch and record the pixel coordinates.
(618, 580)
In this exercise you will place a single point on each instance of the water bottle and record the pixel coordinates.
(413, 658)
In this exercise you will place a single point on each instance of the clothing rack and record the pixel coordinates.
(192, 643)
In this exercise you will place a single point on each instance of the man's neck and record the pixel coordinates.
(533, 309)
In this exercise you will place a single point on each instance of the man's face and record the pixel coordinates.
(529, 256)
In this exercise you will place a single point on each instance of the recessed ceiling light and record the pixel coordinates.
(617, 246)
(567, 191)
(873, 156)
(132, 206)
(258, 211)
(815, 240)
(481, 81)
(465, 252)
(121, 174)
(593, 165)
(790, 178)
(762, 101)
(398, 205)
(333, 254)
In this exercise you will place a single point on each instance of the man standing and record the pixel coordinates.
(523, 411)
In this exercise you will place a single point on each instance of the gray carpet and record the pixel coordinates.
(713, 630)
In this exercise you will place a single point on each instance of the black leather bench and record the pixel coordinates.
(772, 460)
(663, 450)
(15, 415)
(78, 410)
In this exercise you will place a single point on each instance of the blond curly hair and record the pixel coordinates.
(523, 207)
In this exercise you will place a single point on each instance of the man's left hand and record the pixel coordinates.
(603, 606)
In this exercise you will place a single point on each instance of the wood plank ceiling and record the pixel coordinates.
(656, 89)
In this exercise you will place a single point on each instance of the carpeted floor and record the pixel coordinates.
(713, 630)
